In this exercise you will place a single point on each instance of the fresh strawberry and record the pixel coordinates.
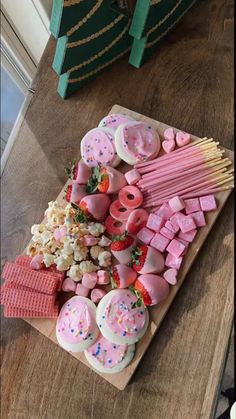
(105, 180)
(139, 254)
(121, 242)
(147, 301)
(122, 276)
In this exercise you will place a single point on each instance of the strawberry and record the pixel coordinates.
(68, 193)
(121, 242)
(74, 193)
(79, 172)
(72, 171)
(122, 276)
(147, 301)
(151, 289)
(146, 260)
(105, 180)
(139, 254)
(81, 213)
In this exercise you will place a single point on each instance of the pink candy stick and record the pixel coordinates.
(205, 192)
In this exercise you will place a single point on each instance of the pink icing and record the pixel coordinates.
(114, 120)
(108, 354)
(98, 147)
(140, 141)
(76, 321)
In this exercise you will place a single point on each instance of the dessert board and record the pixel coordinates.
(157, 313)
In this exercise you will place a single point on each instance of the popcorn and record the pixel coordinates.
(80, 253)
(83, 229)
(95, 251)
(104, 241)
(87, 266)
(32, 249)
(96, 229)
(46, 236)
(68, 248)
(64, 262)
(48, 259)
(37, 229)
(104, 258)
(75, 273)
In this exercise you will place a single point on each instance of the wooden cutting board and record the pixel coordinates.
(157, 313)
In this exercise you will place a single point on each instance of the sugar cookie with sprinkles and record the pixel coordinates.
(114, 120)
(76, 327)
(98, 148)
(108, 357)
(119, 320)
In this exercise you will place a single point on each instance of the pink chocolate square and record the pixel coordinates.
(155, 222)
(174, 220)
(208, 203)
(173, 262)
(175, 248)
(192, 205)
(186, 244)
(159, 242)
(188, 236)
(145, 235)
(165, 211)
(199, 218)
(176, 203)
(186, 223)
(167, 233)
(172, 226)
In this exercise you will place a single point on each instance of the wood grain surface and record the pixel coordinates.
(187, 84)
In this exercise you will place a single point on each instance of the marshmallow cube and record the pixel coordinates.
(173, 262)
(174, 220)
(155, 222)
(103, 277)
(132, 177)
(186, 223)
(97, 294)
(192, 205)
(208, 203)
(175, 248)
(89, 280)
(167, 233)
(188, 236)
(68, 285)
(176, 203)
(145, 235)
(165, 211)
(172, 226)
(199, 218)
(81, 290)
(159, 242)
(185, 243)
(90, 240)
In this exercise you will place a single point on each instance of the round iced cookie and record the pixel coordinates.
(118, 320)
(98, 147)
(108, 357)
(114, 120)
(76, 327)
(136, 142)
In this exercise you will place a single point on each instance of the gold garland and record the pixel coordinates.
(86, 18)
(164, 19)
(154, 2)
(68, 3)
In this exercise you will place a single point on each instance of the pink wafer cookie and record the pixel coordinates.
(28, 300)
(16, 312)
(24, 260)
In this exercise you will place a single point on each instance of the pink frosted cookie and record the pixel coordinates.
(76, 327)
(108, 357)
(98, 147)
(114, 120)
(119, 320)
(136, 142)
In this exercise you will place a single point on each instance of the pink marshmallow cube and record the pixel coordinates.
(172, 226)
(89, 280)
(159, 242)
(208, 203)
(165, 211)
(132, 177)
(192, 205)
(81, 290)
(167, 233)
(173, 262)
(155, 222)
(103, 277)
(170, 276)
(68, 285)
(175, 248)
(90, 240)
(176, 203)
(188, 236)
(199, 218)
(145, 235)
(186, 223)
(186, 244)
(97, 294)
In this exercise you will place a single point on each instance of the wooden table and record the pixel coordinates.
(188, 84)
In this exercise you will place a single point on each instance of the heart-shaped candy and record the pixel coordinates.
(168, 145)
(182, 138)
(169, 134)
(170, 276)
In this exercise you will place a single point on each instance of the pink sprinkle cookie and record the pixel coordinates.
(182, 138)
(89, 280)
(175, 248)
(97, 294)
(136, 142)
(115, 227)
(168, 146)
(208, 203)
(159, 242)
(68, 285)
(171, 276)
(103, 277)
(98, 147)
(173, 262)
(119, 212)
(169, 134)
(165, 211)
(137, 220)
(130, 197)
(186, 223)
(199, 218)
(188, 236)
(172, 227)
(90, 240)
(76, 327)
(114, 120)
(155, 222)
(81, 290)
(132, 177)
(176, 204)
(169, 234)
(145, 235)
(192, 205)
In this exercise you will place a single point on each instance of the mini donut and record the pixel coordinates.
(137, 220)
(115, 227)
(130, 197)
(114, 120)
(118, 211)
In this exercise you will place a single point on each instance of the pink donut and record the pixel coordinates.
(137, 220)
(118, 211)
(115, 227)
(130, 197)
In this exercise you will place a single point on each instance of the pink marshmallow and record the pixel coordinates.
(172, 227)
(97, 294)
(159, 242)
(199, 218)
(208, 203)
(165, 211)
(175, 248)
(155, 222)
(192, 205)
(36, 262)
(90, 240)
(185, 243)
(82, 290)
(186, 223)
(170, 276)
(103, 277)
(167, 233)
(173, 262)
(188, 236)
(174, 220)
(176, 203)
(132, 177)
(89, 280)
(59, 233)
(68, 285)
(145, 235)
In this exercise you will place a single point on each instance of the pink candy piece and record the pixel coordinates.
(89, 280)
(82, 290)
(176, 203)
(145, 235)
(208, 203)
(169, 134)
(60, 232)
(173, 262)
(155, 222)
(165, 211)
(168, 145)
(68, 285)
(103, 277)
(167, 233)
(36, 262)
(192, 205)
(186, 223)
(118, 211)
(182, 138)
(132, 177)
(90, 240)
(199, 218)
(159, 242)
(185, 243)
(97, 294)
(170, 276)
(188, 236)
(175, 248)
(172, 227)
(174, 221)
(130, 197)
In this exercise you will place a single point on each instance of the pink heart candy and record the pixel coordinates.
(169, 134)
(168, 145)
(182, 138)
(170, 276)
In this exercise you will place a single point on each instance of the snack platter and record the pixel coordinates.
(156, 312)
